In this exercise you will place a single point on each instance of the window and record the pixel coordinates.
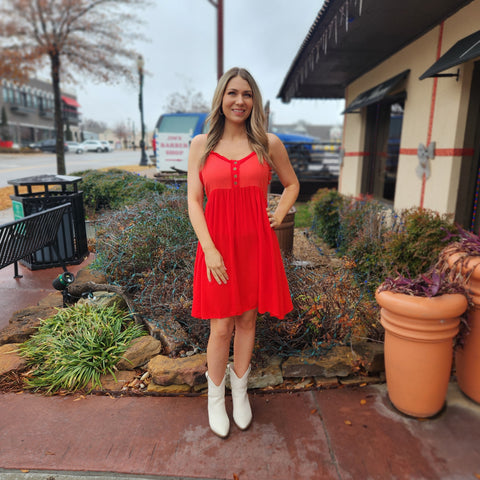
(382, 142)
(178, 124)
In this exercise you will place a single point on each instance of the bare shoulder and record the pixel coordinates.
(199, 141)
(274, 142)
(197, 147)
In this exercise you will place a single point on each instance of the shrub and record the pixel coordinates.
(329, 309)
(115, 188)
(76, 346)
(326, 219)
(415, 245)
(149, 248)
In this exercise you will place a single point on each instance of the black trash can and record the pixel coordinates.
(55, 190)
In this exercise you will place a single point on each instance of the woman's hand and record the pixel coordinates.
(215, 266)
(274, 221)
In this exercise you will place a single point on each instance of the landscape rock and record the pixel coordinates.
(371, 356)
(359, 380)
(169, 332)
(88, 275)
(338, 362)
(10, 360)
(105, 300)
(326, 382)
(139, 352)
(269, 375)
(24, 323)
(54, 299)
(168, 389)
(177, 371)
(114, 384)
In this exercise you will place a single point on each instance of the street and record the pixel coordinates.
(13, 166)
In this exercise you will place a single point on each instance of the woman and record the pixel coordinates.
(238, 268)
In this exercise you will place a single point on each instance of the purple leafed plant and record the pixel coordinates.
(464, 241)
(430, 284)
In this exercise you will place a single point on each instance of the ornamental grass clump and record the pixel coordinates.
(76, 346)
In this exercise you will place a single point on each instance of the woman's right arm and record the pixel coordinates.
(213, 258)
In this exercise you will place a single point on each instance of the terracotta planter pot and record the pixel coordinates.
(419, 349)
(467, 359)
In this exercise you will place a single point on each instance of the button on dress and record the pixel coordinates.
(238, 223)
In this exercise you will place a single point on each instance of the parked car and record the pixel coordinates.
(49, 145)
(75, 147)
(93, 146)
(106, 146)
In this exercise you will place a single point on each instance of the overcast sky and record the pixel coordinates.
(263, 36)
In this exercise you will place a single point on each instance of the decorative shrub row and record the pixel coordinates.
(114, 188)
(380, 242)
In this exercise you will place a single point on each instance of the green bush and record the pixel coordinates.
(77, 346)
(326, 218)
(379, 242)
(114, 188)
(414, 246)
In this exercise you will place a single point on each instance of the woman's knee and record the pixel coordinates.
(246, 321)
(221, 329)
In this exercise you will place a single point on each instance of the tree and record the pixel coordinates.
(190, 101)
(68, 132)
(121, 131)
(89, 37)
(93, 125)
(4, 128)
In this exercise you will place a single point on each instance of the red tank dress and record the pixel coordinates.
(238, 223)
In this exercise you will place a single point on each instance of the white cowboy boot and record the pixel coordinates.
(217, 415)
(242, 413)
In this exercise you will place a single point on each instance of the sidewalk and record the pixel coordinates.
(343, 433)
(327, 434)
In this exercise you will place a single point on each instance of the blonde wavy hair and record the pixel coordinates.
(255, 124)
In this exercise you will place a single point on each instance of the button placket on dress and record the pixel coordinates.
(235, 174)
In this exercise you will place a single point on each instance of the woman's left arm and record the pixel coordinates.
(287, 177)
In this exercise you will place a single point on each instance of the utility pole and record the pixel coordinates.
(218, 4)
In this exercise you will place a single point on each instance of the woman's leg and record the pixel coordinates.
(217, 356)
(218, 348)
(242, 351)
(244, 341)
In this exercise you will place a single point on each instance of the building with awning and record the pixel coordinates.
(409, 72)
(30, 113)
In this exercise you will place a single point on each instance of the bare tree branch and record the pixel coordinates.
(78, 37)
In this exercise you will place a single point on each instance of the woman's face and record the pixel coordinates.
(237, 100)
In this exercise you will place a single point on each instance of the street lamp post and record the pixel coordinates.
(143, 158)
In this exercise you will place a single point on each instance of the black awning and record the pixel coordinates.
(464, 50)
(377, 93)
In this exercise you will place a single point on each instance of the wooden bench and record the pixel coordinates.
(25, 236)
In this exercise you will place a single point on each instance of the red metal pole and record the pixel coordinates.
(219, 38)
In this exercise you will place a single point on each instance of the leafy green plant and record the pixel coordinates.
(326, 219)
(303, 216)
(421, 234)
(77, 346)
(115, 188)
